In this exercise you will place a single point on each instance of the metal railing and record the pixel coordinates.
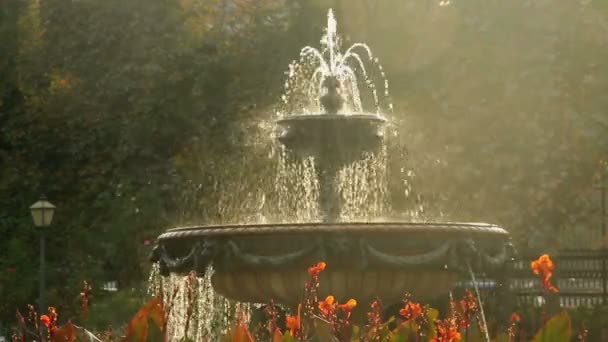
(580, 276)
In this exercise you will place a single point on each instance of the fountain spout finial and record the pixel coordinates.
(332, 101)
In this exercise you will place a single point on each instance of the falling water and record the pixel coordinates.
(363, 188)
(192, 299)
(297, 190)
(483, 315)
(361, 184)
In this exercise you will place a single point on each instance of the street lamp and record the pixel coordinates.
(42, 213)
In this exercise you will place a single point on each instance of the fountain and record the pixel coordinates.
(328, 126)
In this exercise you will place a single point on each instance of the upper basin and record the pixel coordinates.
(336, 136)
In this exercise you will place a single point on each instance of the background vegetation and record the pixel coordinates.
(135, 115)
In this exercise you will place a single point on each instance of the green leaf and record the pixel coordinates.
(323, 330)
(405, 332)
(431, 316)
(557, 329)
(502, 338)
(473, 334)
(288, 337)
(356, 334)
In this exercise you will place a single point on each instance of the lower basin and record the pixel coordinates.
(257, 263)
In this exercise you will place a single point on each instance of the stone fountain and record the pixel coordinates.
(366, 259)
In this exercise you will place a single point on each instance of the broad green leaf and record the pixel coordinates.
(472, 334)
(502, 338)
(356, 334)
(288, 337)
(405, 332)
(323, 330)
(431, 316)
(557, 329)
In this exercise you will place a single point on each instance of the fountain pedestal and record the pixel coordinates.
(333, 141)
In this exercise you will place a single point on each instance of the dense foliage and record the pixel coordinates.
(135, 115)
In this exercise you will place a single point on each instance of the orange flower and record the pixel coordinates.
(46, 320)
(293, 323)
(315, 270)
(328, 305)
(411, 310)
(543, 267)
(348, 306)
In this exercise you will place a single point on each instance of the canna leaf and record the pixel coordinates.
(557, 329)
(431, 316)
(138, 328)
(288, 338)
(277, 336)
(240, 333)
(66, 333)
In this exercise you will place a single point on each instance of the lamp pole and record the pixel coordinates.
(42, 214)
(42, 278)
(604, 254)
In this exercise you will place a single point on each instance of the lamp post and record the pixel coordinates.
(42, 213)
(602, 188)
(604, 250)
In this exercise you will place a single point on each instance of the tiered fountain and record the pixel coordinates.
(259, 262)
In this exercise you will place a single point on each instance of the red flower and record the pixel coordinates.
(11, 270)
(46, 320)
(411, 310)
(327, 306)
(515, 318)
(447, 331)
(543, 267)
(293, 323)
(468, 306)
(315, 270)
(147, 242)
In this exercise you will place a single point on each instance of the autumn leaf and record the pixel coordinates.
(138, 328)
(277, 336)
(65, 333)
(240, 333)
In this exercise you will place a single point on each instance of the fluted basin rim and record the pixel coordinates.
(483, 229)
(331, 117)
